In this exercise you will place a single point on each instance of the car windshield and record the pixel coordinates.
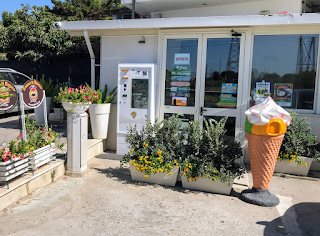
(20, 79)
(5, 76)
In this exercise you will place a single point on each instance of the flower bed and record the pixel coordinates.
(42, 156)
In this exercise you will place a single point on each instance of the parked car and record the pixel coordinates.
(17, 78)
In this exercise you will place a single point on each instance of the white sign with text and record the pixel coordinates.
(182, 59)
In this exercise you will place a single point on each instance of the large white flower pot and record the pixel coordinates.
(208, 185)
(12, 169)
(99, 119)
(77, 108)
(42, 156)
(293, 167)
(158, 178)
(315, 165)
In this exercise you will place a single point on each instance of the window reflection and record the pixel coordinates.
(286, 65)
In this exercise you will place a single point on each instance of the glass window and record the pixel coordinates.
(181, 68)
(284, 67)
(5, 76)
(140, 91)
(20, 79)
(222, 67)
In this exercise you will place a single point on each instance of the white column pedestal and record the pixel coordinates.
(77, 125)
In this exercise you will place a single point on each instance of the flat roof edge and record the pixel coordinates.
(188, 22)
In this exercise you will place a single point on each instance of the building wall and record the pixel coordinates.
(124, 49)
(248, 8)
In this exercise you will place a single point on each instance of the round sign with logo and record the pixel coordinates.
(32, 93)
(8, 96)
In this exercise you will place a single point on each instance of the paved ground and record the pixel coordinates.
(107, 202)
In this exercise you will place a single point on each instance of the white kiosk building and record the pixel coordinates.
(218, 57)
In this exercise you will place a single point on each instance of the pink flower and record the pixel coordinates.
(30, 153)
(9, 153)
(19, 155)
(91, 100)
(76, 90)
(89, 91)
(38, 168)
(80, 87)
(97, 97)
(70, 90)
(13, 157)
(81, 91)
(84, 87)
(22, 157)
(6, 159)
(7, 150)
(20, 135)
(4, 156)
(43, 130)
(88, 97)
(84, 97)
(64, 92)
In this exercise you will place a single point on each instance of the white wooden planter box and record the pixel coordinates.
(12, 169)
(207, 185)
(158, 178)
(293, 167)
(315, 165)
(42, 156)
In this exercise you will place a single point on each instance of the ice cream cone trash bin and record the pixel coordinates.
(264, 142)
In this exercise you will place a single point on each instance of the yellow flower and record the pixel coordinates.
(146, 176)
(305, 164)
(295, 153)
(214, 178)
(146, 145)
(186, 165)
(197, 177)
(298, 144)
(130, 163)
(290, 160)
(166, 169)
(177, 167)
(294, 159)
(184, 174)
(186, 170)
(214, 171)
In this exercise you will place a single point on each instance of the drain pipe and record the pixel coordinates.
(133, 9)
(93, 59)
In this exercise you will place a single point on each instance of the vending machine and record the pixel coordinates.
(136, 99)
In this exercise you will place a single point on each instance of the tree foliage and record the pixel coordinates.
(29, 36)
(73, 10)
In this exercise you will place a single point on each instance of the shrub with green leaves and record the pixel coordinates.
(209, 154)
(299, 140)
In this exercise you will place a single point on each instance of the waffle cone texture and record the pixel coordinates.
(263, 151)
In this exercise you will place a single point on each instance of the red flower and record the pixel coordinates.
(6, 159)
(91, 100)
(48, 134)
(88, 98)
(22, 157)
(43, 130)
(38, 168)
(20, 135)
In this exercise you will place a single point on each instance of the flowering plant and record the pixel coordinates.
(100, 96)
(38, 136)
(16, 149)
(82, 94)
(150, 161)
(299, 141)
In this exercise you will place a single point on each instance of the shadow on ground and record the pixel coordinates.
(308, 219)
(123, 175)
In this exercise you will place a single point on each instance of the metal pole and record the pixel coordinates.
(45, 109)
(133, 13)
(24, 133)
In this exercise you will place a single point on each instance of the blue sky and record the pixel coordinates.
(13, 5)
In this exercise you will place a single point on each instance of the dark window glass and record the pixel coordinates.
(5, 76)
(222, 67)
(20, 79)
(284, 67)
(140, 91)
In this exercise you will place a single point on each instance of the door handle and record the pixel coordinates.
(202, 110)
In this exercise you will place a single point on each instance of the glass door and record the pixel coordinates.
(221, 80)
(180, 85)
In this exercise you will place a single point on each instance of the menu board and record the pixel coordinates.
(283, 94)
(180, 79)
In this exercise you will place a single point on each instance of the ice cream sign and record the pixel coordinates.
(182, 59)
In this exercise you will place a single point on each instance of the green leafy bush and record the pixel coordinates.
(298, 141)
(209, 154)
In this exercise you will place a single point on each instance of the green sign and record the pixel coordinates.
(227, 101)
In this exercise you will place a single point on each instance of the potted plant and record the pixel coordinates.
(59, 112)
(51, 91)
(99, 111)
(211, 160)
(156, 151)
(13, 159)
(75, 100)
(299, 148)
(41, 143)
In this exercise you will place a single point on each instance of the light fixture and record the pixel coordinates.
(143, 40)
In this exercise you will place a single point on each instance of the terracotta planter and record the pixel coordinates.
(77, 108)
(293, 167)
(158, 178)
(42, 156)
(12, 169)
(208, 185)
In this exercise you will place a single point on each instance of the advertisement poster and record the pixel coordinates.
(262, 90)
(227, 101)
(283, 94)
(229, 88)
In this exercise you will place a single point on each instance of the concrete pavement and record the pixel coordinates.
(107, 202)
